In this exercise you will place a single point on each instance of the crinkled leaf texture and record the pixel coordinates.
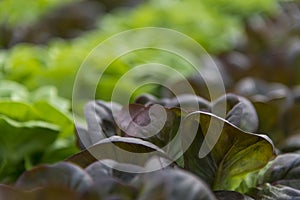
(225, 155)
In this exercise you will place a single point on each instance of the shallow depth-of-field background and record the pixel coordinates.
(256, 45)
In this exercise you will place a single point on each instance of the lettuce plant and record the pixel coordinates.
(239, 166)
(236, 153)
(34, 127)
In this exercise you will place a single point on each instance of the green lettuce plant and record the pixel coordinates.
(35, 126)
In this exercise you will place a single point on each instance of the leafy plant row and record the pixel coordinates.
(240, 161)
(255, 157)
(57, 62)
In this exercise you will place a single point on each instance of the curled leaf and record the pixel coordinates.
(240, 111)
(122, 150)
(220, 153)
(100, 122)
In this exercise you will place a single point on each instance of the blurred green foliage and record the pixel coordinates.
(18, 12)
(214, 24)
(30, 69)
(36, 127)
